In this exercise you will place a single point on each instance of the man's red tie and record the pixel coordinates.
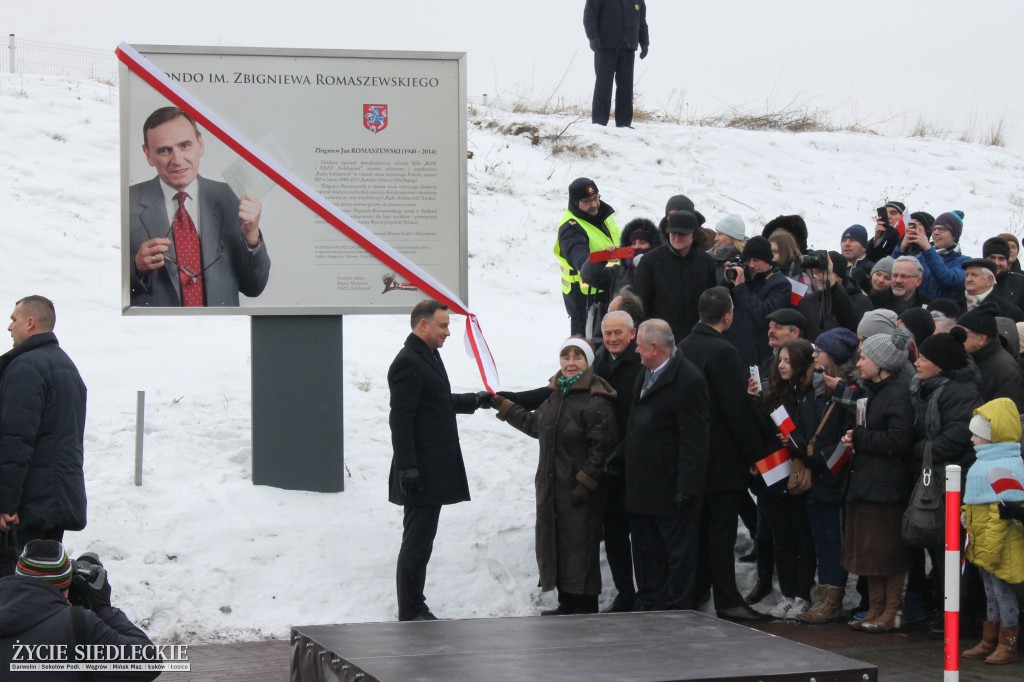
(190, 259)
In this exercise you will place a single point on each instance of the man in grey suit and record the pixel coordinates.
(193, 242)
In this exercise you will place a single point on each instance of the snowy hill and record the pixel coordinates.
(200, 554)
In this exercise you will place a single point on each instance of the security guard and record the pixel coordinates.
(586, 226)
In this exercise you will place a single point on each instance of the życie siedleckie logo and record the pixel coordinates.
(391, 283)
(375, 117)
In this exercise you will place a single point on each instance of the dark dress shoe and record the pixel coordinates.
(562, 610)
(426, 615)
(621, 604)
(743, 612)
(761, 590)
(748, 558)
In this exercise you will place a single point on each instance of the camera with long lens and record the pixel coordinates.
(87, 573)
(815, 260)
(729, 268)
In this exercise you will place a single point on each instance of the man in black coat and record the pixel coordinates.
(617, 362)
(905, 289)
(427, 469)
(730, 454)
(615, 28)
(34, 612)
(42, 426)
(834, 302)
(671, 278)
(758, 290)
(1001, 375)
(1009, 285)
(666, 468)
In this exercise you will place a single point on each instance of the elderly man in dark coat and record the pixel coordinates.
(666, 469)
(42, 426)
(427, 469)
(730, 454)
(1001, 375)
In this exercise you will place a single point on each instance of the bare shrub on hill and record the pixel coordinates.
(791, 118)
(997, 133)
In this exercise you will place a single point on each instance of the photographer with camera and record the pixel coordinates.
(833, 301)
(758, 289)
(52, 601)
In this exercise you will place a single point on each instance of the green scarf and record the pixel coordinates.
(565, 383)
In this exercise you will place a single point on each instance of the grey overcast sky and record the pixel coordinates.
(958, 64)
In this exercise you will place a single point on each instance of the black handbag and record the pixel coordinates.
(924, 521)
(9, 552)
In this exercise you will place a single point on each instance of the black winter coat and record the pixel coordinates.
(943, 407)
(1001, 375)
(424, 433)
(754, 300)
(888, 301)
(810, 409)
(880, 470)
(670, 285)
(33, 612)
(731, 449)
(838, 307)
(621, 374)
(42, 424)
(667, 441)
(616, 24)
(1010, 288)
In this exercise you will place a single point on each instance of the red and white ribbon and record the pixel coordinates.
(312, 199)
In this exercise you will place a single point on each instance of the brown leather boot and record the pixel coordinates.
(828, 608)
(989, 637)
(891, 619)
(876, 601)
(1006, 650)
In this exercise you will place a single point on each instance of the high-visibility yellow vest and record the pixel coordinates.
(599, 241)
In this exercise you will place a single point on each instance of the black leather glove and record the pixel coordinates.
(595, 44)
(409, 481)
(1011, 512)
(643, 51)
(484, 400)
(685, 501)
(96, 588)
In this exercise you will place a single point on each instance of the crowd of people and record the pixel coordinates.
(854, 371)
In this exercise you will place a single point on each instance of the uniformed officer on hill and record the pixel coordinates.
(587, 225)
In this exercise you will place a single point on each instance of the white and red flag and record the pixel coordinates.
(1002, 479)
(798, 291)
(839, 459)
(775, 467)
(783, 421)
(902, 222)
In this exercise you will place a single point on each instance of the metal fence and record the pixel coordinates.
(57, 59)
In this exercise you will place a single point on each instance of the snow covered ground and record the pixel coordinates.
(199, 554)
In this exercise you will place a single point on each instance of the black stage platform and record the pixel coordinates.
(639, 647)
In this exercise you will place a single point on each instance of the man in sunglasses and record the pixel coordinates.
(193, 242)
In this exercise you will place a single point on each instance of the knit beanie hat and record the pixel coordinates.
(46, 560)
(926, 219)
(995, 246)
(732, 226)
(952, 221)
(839, 343)
(888, 351)
(946, 350)
(898, 205)
(981, 427)
(760, 248)
(884, 265)
(981, 320)
(581, 188)
(793, 224)
(880, 321)
(857, 233)
(679, 202)
(920, 323)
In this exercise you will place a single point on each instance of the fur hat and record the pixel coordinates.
(946, 350)
(793, 224)
(732, 226)
(839, 343)
(46, 560)
(981, 320)
(920, 323)
(581, 188)
(880, 321)
(640, 228)
(760, 248)
(952, 221)
(858, 233)
(888, 351)
(995, 246)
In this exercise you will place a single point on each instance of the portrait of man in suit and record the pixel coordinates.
(193, 242)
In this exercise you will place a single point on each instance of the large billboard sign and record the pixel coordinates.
(379, 135)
